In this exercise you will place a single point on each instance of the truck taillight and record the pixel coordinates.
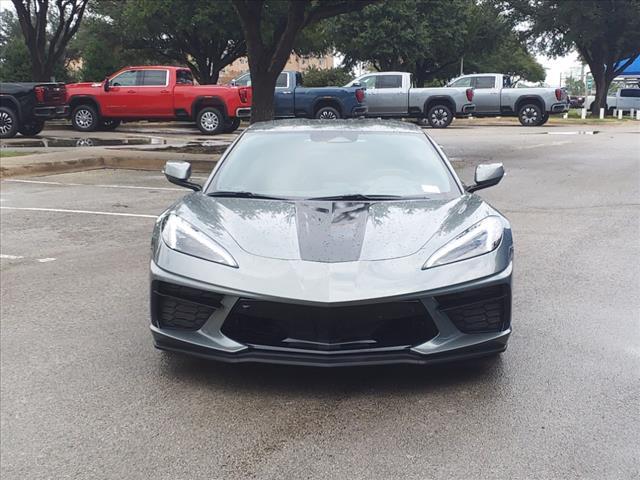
(558, 94)
(469, 93)
(242, 91)
(360, 95)
(39, 94)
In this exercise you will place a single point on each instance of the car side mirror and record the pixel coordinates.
(487, 175)
(106, 84)
(233, 83)
(179, 173)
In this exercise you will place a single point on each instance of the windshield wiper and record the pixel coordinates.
(232, 194)
(358, 196)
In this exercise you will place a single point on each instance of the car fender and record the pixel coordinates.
(83, 98)
(327, 99)
(208, 101)
(9, 101)
(433, 99)
(524, 98)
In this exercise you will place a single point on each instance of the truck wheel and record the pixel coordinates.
(530, 115)
(544, 119)
(327, 113)
(8, 123)
(31, 128)
(109, 124)
(85, 118)
(210, 121)
(231, 126)
(439, 116)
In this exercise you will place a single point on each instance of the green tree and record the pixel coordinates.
(101, 45)
(47, 29)
(14, 55)
(271, 28)
(15, 59)
(325, 77)
(203, 34)
(574, 86)
(510, 57)
(430, 37)
(604, 32)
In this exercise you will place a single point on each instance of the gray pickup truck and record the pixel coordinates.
(494, 96)
(390, 95)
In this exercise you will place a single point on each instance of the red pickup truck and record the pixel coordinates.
(157, 93)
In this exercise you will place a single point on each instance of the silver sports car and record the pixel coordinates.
(330, 244)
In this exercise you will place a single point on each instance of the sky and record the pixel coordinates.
(556, 66)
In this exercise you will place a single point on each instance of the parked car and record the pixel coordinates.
(576, 101)
(24, 107)
(292, 99)
(157, 93)
(495, 96)
(349, 242)
(625, 99)
(390, 95)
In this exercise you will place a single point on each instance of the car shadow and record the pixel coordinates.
(304, 381)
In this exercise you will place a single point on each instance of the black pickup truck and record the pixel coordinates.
(25, 106)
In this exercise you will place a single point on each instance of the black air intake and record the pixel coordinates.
(179, 307)
(479, 311)
(290, 325)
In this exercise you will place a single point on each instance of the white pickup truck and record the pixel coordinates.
(625, 99)
(494, 96)
(389, 95)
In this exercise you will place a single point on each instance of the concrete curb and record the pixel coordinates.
(81, 163)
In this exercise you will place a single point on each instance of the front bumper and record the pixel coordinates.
(46, 113)
(448, 343)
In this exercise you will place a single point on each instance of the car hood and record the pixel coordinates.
(330, 231)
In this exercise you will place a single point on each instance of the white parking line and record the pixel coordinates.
(46, 260)
(91, 212)
(42, 182)
(539, 145)
(11, 257)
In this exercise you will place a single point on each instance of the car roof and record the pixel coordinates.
(361, 125)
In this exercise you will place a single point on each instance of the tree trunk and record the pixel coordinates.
(602, 87)
(263, 84)
(39, 73)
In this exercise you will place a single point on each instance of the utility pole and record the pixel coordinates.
(461, 66)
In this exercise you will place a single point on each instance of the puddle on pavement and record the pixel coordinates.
(209, 147)
(82, 142)
(580, 132)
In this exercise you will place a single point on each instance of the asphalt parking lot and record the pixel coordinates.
(85, 395)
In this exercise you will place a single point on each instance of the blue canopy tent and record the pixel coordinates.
(632, 70)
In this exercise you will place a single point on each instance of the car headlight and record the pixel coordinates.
(183, 237)
(482, 237)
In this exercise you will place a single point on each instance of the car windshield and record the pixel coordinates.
(334, 164)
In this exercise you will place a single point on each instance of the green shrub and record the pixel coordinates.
(326, 77)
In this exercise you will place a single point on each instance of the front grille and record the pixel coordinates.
(479, 311)
(180, 307)
(288, 325)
